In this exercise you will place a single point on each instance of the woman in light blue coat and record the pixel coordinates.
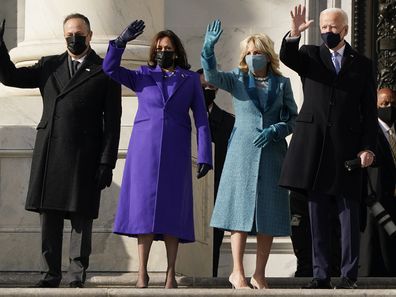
(249, 199)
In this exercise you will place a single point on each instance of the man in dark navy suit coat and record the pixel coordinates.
(337, 122)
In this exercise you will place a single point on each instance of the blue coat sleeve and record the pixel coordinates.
(222, 80)
(288, 113)
(112, 67)
(201, 123)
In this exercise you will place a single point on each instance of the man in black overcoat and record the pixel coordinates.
(337, 122)
(378, 249)
(76, 145)
(221, 124)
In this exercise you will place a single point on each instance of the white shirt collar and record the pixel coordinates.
(340, 51)
(79, 60)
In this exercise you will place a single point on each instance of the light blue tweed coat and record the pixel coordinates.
(249, 198)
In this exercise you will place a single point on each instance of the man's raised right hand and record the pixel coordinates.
(299, 22)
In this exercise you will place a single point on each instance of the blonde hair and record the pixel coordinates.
(265, 45)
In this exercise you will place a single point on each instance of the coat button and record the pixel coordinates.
(329, 124)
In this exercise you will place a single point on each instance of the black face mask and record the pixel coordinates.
(76, 44)
(387, 114)
(210, 96)
(331, 39)
(165, 59)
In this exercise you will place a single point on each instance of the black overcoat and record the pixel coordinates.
(337, 120)
(79, 129)
(221, 125)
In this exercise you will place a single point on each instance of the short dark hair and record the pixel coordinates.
(78, 16)
(181, 55)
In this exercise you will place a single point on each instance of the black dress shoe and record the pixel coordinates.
(346, 283)
(44, 284)
(76, 284)
(317, 283)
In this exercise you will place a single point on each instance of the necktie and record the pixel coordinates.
(392, 144)
(336, 63)
(75, 65)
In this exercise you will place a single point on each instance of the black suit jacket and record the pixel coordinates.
(378, 250)
(79, 129)
(337, 120)
(221, 125)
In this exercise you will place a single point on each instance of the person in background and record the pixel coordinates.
(156, 201)
(76, 145)
(337, 123)
(249, 199)
(377, 248)
(221, 124)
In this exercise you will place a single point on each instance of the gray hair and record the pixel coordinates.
(338, 11)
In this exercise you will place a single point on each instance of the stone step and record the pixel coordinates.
(122, 284)
(189, 292)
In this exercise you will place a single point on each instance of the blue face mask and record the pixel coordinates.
(256, 62)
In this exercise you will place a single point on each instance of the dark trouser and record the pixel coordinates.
(348, 214)
(301, 236)
(218, 235)
(51, 246)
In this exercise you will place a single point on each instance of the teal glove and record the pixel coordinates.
(212, 35)
(265, 137)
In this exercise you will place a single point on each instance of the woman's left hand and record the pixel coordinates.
(266, 136)
(203, 169)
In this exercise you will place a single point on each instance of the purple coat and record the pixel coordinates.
(156, 190)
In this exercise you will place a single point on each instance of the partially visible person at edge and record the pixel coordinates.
(337, 122)
(377, 248)
(76, 145)
(249, 199)
(156, 200)
(221, 123)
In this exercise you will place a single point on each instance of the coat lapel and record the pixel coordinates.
(181, 77)
(157, 76)
(271, 91)
(61, 74)
(325, 56)
(91, 66)
(349, 55)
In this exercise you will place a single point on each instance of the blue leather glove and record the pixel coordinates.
(2, 32)
(203, 169)
(212, 35)
(266, 136)
(130, 33)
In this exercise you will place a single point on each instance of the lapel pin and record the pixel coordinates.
(87, 69)
(183, 75)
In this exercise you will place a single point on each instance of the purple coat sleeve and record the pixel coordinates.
(111, 66)
(202, 125)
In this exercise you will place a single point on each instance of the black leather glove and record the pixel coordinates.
(2, 28)
(129, 33)
(203, 169)
(103, 177)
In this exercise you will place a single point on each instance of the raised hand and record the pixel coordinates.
(130, 33)
(213, 33)
(299, 22)
(2, 32)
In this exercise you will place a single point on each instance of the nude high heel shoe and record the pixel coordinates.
(234, 286)
(255, 284)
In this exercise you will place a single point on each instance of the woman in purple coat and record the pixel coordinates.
(156, 193)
